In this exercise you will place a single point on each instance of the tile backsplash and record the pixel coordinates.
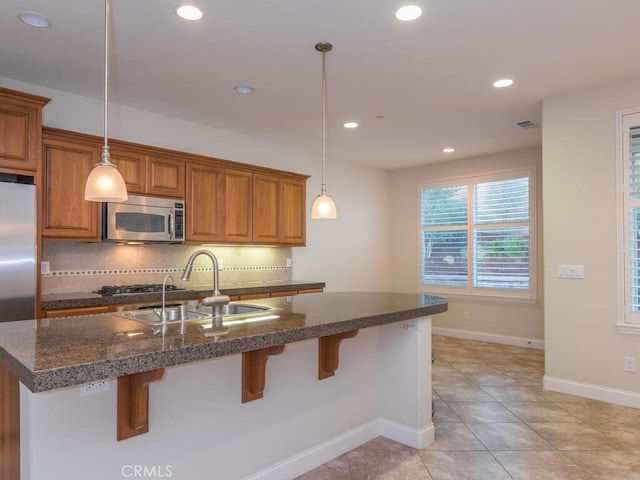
(85, 267)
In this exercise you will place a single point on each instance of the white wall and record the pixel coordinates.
(523, 321)
(351, 253)
(579, 180)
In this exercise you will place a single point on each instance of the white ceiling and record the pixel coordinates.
(430, 79)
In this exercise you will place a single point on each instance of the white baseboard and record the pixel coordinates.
(595, 392)
(407, 436)
(489, 337)
(313, 457)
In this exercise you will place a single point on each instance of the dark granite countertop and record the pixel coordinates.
(79, 300)
(54, 353)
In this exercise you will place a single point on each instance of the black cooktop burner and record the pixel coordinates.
(142, 288)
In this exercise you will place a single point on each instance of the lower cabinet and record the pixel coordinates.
(72, 312)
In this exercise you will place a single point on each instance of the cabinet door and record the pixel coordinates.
(265, 208)
(238, 217)
(67, 215)
(205, 197)
(292, 211)
(165, 177)
(132, 167)
(20, 130)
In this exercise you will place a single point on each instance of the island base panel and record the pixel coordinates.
(9, 425)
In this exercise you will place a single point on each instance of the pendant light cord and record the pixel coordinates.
(105, 157)
(324, 123)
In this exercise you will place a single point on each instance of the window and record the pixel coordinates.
(477, 235)
(629, 222)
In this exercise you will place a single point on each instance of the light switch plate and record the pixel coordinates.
(570, 271)
(45, 268)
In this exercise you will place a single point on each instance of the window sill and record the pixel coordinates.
(630, 328)
(481, 298)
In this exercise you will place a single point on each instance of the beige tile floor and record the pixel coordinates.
(495, 421)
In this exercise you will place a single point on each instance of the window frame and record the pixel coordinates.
(470, 291)
(625, 120)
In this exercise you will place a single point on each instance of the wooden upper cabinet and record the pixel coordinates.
(165, 176)
(238, 201)
(66, 214)
(205, 197)
(226, 202)
(132, 167)
(265, 208)
(20, 131)
(292, 211)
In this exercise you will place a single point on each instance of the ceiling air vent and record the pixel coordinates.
(527, 124)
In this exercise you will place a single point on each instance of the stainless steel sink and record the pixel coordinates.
(172, 315)
(235, 309)
(231, 313)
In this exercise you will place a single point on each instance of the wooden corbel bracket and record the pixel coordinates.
(254, 365)
(133, 402)
(328, 353)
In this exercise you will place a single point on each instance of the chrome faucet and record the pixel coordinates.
(163, 312)
(217, 299)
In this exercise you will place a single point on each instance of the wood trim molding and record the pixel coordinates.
(133, 402)
(328, 353)
(9, 425)
(157, 151)
(254, 366)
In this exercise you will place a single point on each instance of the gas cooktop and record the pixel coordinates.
(141, 288)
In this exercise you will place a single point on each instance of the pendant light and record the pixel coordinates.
(104, 183)
(323, 207)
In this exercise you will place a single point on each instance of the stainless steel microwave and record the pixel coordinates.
(144, 219)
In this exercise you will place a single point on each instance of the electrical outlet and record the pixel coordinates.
(629, 364)
(220, 264)
(467, 316)
(45, 268)
(288, 263)
(95, 387)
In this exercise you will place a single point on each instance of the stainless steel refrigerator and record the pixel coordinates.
(17, 250)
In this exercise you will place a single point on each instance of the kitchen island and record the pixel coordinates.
(308, 409)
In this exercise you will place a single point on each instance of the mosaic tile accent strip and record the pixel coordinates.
(137, 271)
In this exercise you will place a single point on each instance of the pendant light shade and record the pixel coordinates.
(323, 207)
(104, 183)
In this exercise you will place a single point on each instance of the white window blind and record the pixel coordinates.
(629, 166)
(477, 235)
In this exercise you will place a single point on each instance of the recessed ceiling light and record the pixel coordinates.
(243, 89)
(408, 13)
(350, 125)
(189, 12)
(505, 82)
(34, 19)
(448, 150)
